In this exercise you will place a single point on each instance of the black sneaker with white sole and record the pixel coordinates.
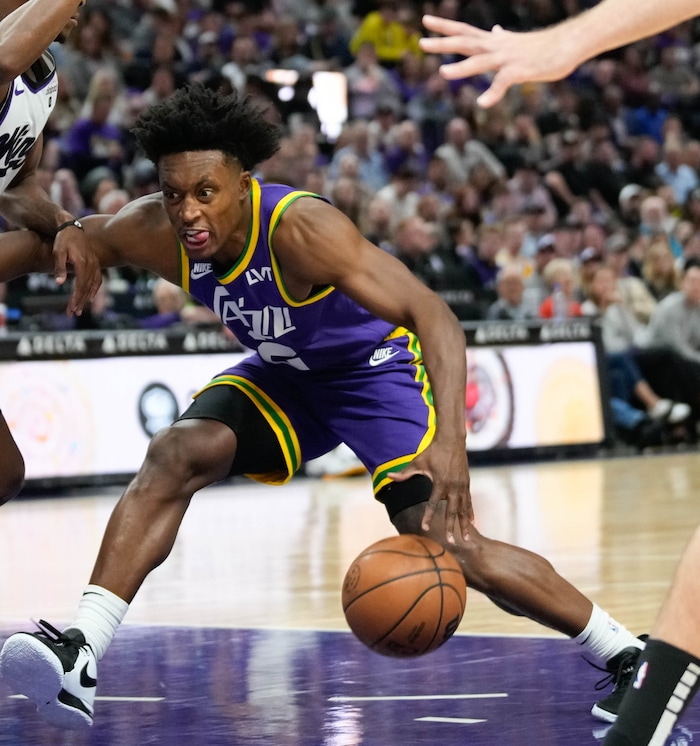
(56, 670)
(620, 673)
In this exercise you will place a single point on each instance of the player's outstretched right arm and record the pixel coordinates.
(551, 53)
(27, 32)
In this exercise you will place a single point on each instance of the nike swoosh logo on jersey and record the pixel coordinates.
(18, 91)
(199, 269)
(86, 680)
(381, 355)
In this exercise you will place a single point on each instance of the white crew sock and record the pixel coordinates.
(604, 637)
(100, 612)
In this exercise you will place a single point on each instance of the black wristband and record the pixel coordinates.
(75, 223)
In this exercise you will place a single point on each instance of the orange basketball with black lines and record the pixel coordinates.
(404, 596)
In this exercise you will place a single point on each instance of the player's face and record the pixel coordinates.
(206, 196)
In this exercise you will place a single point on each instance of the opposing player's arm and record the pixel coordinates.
(139, 236)
(27, 32)
(316, 244)
(26, 204)
(551, 53)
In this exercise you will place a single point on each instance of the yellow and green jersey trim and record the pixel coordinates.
(277, 213)
(275, 417)
(380, 477)
(249, 249)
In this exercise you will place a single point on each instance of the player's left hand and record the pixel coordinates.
(72, 247)
(448, 469)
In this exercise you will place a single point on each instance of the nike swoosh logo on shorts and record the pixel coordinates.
(381, 355)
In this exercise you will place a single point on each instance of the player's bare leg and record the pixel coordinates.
(58, 670)
(522, 582)
(516, 579)
(181, 459)
(11, 464)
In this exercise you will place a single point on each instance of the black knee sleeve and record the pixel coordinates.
(398, 496)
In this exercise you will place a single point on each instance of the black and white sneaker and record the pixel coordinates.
(56, 670)
(620, 673)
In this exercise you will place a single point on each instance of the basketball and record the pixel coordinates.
(404, 596)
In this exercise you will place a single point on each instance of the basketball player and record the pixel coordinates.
(28, 95)
(349, 347)
(668, 671)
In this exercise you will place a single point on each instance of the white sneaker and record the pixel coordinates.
(340, 462)
(672, 412)
(56, 670)
(680, 411)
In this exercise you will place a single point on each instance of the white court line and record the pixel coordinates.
(108, 699)
(417, 697)
(468, 721)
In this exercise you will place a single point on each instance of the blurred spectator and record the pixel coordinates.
(649, 117)
(169, 301)
(437, 184)
(89, 50)
(633, 75)
(112, 201)
(528, 192)
(632, 290)
(630, 200)
(401, 193)
(590, 261)
(96, 183)
(562, 285)
(641, 169)
(349, 196)
(621, 329)
(388, 31)
(510, 288)
(480, 265)
(286, 52)
(659, 270)
(205, 66)
(568, 238)
(691, 209)
(409, 76)
(92, 141)
(676, 320)
(674, 78)
(328, 45)
(369, 84)
(244, 55)
(660, 373)
(431, 108)
(142, 178)
(656, 221)
(415, 243)
(405, 149)
(568, 176)
(462, 153)
(676, 174)
(377, 226)
(356, 139)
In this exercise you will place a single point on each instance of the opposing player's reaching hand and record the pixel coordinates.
(448, 469)
(514, 57)
(72, 249)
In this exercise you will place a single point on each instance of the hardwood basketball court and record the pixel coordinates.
(239, 638)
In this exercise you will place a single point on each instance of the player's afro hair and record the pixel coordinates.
(199, 118)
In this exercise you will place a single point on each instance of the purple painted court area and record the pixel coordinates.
(240, 687)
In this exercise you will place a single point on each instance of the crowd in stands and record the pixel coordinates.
(570, 198)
